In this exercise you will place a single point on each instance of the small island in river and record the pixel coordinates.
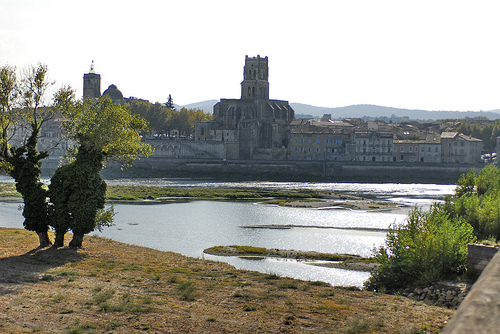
(341, 261)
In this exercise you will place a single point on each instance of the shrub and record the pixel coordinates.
(430, 247)
(186, 290)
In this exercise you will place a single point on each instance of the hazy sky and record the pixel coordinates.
(434, 55)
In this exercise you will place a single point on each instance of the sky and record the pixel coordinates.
(430, 55)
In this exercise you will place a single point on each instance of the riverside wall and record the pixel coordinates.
(326, 170)
(480, 310)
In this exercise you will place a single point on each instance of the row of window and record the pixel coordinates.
(318, 141)
(325, 150)
(412, 149)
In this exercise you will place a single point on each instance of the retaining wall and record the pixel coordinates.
(480, 310)
(332, 171)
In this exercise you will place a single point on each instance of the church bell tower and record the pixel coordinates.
(91, 84)
(255, 83)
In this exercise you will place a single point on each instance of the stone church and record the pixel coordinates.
(252, 127)
(92, 87)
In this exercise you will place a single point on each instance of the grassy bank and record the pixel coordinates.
(150, 192)
(134, 193)
(114, 287)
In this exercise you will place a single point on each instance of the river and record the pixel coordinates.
(190, 227)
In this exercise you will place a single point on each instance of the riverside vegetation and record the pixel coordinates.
(432, 246)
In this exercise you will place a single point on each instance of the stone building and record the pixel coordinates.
(406, 150)
(460, 148)
(92, 87)
(373, 146)
(91, 84)
(254, 126)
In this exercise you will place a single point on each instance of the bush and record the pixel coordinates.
(477, 201)
(430, 247)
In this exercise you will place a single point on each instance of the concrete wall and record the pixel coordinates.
(480, 310)
(329, 171)
(479, 256)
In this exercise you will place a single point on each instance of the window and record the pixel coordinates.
(317, 141)
(402, 149)
(411, 149)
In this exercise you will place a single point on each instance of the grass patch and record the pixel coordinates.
(187, 290)
(132, 193)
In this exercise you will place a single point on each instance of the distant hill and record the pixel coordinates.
(206, 106)
(365, 110)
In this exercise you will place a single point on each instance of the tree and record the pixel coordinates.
(9, 114)
(170, 103)
(104, 132)
(20, 158)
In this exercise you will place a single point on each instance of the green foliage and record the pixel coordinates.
(103, 132)
(108, 129)
(477, 201)
(430, 246)
(163, 119)
(77, 194)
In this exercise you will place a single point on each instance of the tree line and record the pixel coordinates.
(101, 131)
(163, 119)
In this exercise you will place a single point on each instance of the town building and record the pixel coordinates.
(373, 146)
(406, 150)
(459, 148)
(430, 149)
(321, 141)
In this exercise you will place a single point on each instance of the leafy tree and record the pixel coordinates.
(104, 132)
(430, 246)
(162, 119)
(9, 115)
(477, 201)
(20, 158)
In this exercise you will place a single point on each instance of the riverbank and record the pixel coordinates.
(301, 198)
(111, 286)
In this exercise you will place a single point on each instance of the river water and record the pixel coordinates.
(190, 227)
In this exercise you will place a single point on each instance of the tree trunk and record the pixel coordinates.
(77, 240)
(59, 241)
(44, 239)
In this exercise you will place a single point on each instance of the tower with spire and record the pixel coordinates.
(91, 84)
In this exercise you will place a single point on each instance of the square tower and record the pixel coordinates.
(255, 83)
(91, 84)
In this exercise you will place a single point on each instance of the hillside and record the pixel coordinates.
(365, 110)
